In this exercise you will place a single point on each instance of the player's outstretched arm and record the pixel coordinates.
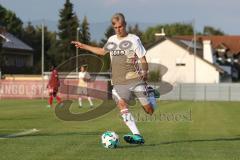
(96, 50)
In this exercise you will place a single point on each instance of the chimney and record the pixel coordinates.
(207, 51)
(160, 35)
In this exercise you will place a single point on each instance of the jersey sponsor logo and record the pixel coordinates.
(123, 47)
(117, 52)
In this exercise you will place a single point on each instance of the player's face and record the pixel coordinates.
(119, 29)
(82, 69)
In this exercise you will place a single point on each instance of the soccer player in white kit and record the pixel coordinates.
(84, 77)
(126, 50)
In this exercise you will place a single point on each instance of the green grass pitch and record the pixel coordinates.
(182, 130)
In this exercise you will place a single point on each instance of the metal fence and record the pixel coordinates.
(204, 92)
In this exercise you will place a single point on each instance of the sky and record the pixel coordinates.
(221, 14)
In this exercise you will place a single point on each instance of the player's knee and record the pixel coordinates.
(148, 109)
(122, 104)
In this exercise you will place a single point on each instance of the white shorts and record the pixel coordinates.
(82, 91)
(127, 92)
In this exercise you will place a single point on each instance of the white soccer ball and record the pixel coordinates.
(110, 139)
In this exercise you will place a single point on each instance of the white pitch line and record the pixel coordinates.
(19, 134)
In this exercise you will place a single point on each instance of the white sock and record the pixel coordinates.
(80, 101)
(90, 101)
(129, 121)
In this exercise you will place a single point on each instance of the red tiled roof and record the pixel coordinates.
(232, 42)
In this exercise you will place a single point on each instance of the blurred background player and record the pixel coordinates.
(84, 78)
(52, 86)
(128, 75)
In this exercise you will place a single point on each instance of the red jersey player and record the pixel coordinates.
(53, 85)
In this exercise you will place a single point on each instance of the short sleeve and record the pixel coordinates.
(109, 45)
(87, 76)
(139, 49)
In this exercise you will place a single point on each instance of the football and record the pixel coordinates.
(110, 139)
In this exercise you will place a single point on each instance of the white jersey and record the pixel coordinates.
(124, 54)
(82, 76)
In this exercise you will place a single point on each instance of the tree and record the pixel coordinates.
(1, 43)
(68, 25)
(109, 32)
(29, 36)
(32, 35)
(208, 30)
(85, 34)
(170, 30)
(12, 23)
(2, 13)
(29, 33)
(106, 59)
(130, 29)
(52, 54)
(135, 30)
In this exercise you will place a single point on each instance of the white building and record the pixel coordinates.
(182, 65)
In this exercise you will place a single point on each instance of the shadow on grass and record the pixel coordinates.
(123, 145)
(181, 141)
(69, 134)
(6, 136)
(47, 134)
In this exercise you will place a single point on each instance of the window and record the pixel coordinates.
(180, 62)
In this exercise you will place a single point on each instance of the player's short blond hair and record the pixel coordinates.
(118, 17)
